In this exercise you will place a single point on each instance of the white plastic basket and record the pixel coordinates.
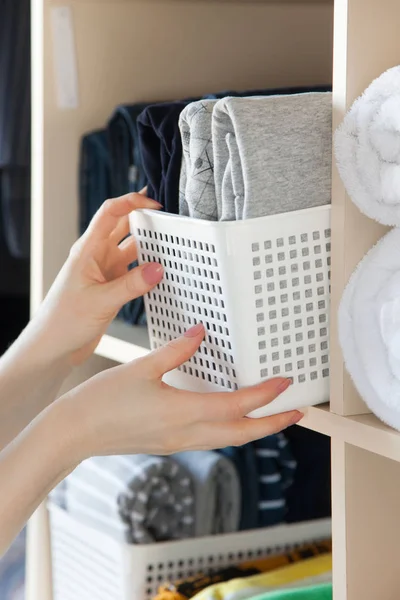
(261, 287)
(88, 565)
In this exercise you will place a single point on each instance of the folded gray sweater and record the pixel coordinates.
(263, 156)
(196, 187)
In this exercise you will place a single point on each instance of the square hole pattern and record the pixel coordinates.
(190, 292)
(291, 299)
(173, 570)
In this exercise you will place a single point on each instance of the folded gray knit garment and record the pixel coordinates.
(217, 491)
(272, 154)
(196, 188)
(135, 498)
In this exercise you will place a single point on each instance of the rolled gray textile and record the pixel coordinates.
(272, 154)
(217, 491)
(196, 187)
(137, 499)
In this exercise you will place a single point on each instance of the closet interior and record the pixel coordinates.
(90, 56)
(15, 122)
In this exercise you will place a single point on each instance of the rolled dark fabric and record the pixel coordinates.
(15, 124)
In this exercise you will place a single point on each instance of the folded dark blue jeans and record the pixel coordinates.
(95, 187)
(126, 162)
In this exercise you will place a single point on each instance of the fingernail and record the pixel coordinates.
(283, 385)
(152, 273)
(296, 418)
(194, 331)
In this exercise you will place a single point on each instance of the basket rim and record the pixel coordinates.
(224, 225)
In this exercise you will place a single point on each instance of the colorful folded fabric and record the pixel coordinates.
(248, 587)
(189, 587)
(318, 592)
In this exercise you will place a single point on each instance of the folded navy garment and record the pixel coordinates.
(276, 468)
(244, 460)
(161, 150)
(95, 187)
(126, 162)
(266, 470)
(15, 124)
(94, 175)
(310, 495)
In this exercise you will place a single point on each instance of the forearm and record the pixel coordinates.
(39, 458)
(30, 379)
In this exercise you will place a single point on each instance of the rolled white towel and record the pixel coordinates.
(369, 328)
(367, 149)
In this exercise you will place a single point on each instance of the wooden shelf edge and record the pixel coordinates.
(243, 2)
(123, 343)
(363, 431)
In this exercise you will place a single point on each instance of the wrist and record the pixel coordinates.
(67, 432)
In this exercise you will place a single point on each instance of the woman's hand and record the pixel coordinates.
(129, 409)
(94, 283)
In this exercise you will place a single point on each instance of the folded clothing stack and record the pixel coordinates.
(307, 568)
(271, 149)
(144, 499)
(135, 499)
(266, 470)
(256, 156)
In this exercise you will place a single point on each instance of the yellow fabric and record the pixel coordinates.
(274, 579)
(190, 586)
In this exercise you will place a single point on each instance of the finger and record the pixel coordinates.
(121, 231)
(107, 218)
(175, 353)
(234, 405)
(245, 430)
(131, 285)
(128, 251)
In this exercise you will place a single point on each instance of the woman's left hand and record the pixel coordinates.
(94, 283)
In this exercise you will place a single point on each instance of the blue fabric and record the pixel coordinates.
(161, 151)
(15, 124)
(310, 495)
(266, 469)
(126, 162)
(275, 467)
(94, 175)
(94, 188)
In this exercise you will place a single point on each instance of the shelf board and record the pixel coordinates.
(123, 343)
(363, 431)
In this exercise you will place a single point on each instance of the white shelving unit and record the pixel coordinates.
(132, 50)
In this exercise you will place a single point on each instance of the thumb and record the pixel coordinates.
(175, 353)
(133, 284)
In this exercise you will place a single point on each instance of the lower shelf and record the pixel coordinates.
(124, 343)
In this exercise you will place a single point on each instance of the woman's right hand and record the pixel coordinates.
(129, 410)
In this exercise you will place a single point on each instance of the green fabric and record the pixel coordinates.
(317, 592)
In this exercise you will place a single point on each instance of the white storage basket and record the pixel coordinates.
(261, 288)
(88, 565)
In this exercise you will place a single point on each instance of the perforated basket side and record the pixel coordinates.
(87, 564)
(262, 289)
(194, 289)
